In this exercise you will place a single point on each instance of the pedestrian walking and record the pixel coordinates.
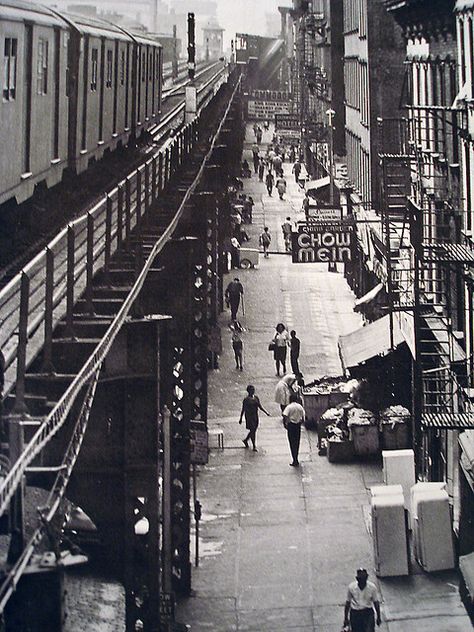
(266, 125)
(281, 186)
(233, 293)
(261, 169)
(255, 157)
(283, 390)
(297, 170)
(250, 407)
(269, 182)
(255, 127)
(362, 598)
(293, 417)
(305, 205)
(295, 345)
(287, 230)
(259, 135)
(281, 341)
(238, 344)
(277, 162)
(265, 239)
(235, 252)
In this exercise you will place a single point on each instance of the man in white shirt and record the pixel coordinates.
(293, 417)
(362, 598)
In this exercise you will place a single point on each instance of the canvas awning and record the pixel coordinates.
(368, 342)
(313, 186)
(368, 298)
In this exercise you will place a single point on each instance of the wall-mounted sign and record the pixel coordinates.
(324, 215)
(199, 442)
(317, 242)
(287, 121)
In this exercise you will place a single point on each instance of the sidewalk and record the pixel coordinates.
(279, 544)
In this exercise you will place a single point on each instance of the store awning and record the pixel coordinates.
(368, 342)
(313, 186)
(368, 298)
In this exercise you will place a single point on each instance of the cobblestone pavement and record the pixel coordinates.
(279, 544)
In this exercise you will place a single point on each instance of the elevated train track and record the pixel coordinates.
(57, 290)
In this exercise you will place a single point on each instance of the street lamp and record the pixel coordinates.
(330, 114)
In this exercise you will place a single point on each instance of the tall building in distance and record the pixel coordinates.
(213, 41)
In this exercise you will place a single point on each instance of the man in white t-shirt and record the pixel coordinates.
(362, 598)
(293, 417)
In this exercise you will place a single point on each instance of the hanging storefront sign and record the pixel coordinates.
(199, 442)
(324, 215)
(317, 242)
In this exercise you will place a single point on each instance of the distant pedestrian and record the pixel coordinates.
(281, 340)
(255, 157)
(237, 344)
(305, 205)
(265, 239)
(259, 135)
(250, 407)
(255, 127)
(287, 228)
(266, 125)
(292, 154)
(261, 169)
(269, 182)
(235, 252)
(232, 295)
(297, 170)
(362, 598)
(295, 345)
(277, 162)
(293, 417)
(283, 390)
(281, 187)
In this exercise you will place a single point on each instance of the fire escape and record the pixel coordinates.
(426, 254)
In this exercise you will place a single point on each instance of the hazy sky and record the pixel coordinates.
(247, 16)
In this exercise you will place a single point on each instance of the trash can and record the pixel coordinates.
(249, 258)
(364, 432)
(339, 451)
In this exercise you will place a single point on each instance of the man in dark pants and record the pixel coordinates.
(295, 345)
(232, 296)
(293, 417)
(362, 598)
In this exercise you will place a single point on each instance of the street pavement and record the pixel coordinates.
(279, 545)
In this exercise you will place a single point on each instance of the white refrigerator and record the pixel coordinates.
(389, 534)
(399, 468)
(432, 530)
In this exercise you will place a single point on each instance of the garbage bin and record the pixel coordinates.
(249, 258)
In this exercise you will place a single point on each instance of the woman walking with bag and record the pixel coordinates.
(281, 341)
(250, 407)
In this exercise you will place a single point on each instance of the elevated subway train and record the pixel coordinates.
(73, 87)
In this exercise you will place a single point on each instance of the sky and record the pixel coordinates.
(246, 16)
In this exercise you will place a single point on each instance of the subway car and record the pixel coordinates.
(73, 87)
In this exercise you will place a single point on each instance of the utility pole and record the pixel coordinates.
(174, 67)
(190, 90)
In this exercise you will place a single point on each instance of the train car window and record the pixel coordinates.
(9, 68)
(108, 76)
(143, 67)
(94, 62)
(122, 68)
(42, 67)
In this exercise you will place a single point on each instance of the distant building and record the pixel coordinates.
(213, 41)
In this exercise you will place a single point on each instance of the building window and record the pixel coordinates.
(42, 74)
(9, 68)
(122, 68)
(94, 63)
(108, 75)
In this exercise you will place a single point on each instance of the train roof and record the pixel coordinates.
(96, 27)
(18, 11)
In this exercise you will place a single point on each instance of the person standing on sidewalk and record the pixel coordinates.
(362, 598)
(265, 239)
(287, 229)
(293, 417)
(295, 345)
(269, 182)
(297, 170)
(250, 407)
(237, 344)
(281, 186)
(255, 156)
(261, 169)
(283, 391)
(281, 340)
(232, 296)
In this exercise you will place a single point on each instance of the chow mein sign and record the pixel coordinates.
(317, 242)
